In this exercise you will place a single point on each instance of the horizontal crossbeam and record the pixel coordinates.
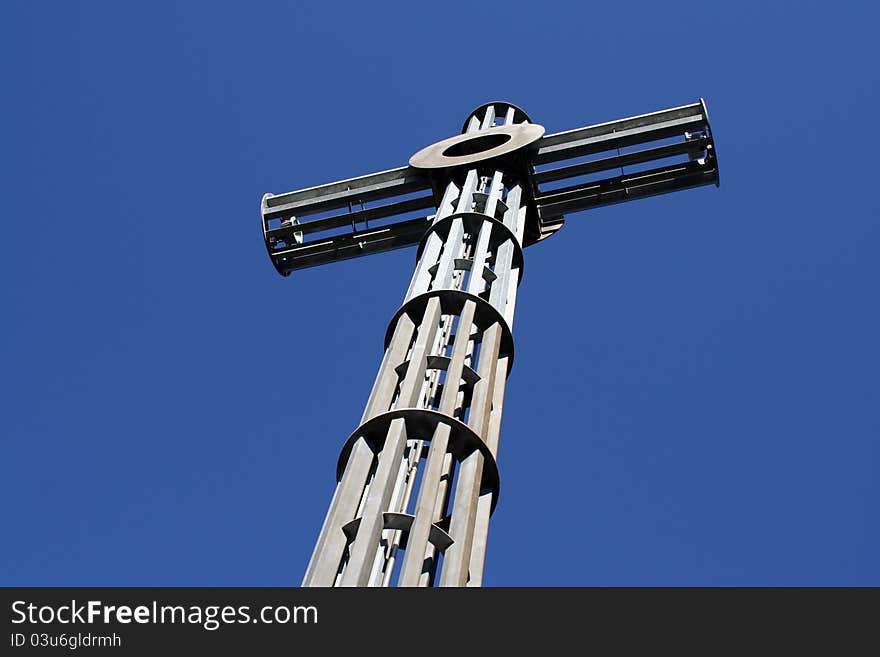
(624, 132)
(678, 141)
(570, 171)
(393, 195)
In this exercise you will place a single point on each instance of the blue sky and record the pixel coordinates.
(695, 396)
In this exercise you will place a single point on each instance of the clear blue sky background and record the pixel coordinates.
(695, 398)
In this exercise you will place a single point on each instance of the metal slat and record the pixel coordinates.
(579, 146)
(626, 159)
(343, 247)
(350, 184)
(618, 125)
(625, 188)
(351, 218)
(344, 198)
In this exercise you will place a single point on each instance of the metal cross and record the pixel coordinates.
(418, 479)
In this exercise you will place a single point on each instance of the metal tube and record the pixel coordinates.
(386, 380)
(457, 558)
(424, 516)
(363, 548)
(484, 505)
(330, 547)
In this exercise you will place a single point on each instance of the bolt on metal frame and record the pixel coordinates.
(418, 479)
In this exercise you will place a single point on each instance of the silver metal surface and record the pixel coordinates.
(418, 480)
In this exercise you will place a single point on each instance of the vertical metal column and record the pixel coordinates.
(418, 478)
